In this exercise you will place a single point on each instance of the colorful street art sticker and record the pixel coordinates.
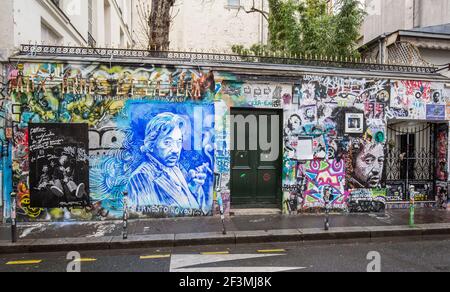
(435, 112)
(59, 165)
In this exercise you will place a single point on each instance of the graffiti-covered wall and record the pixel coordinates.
(84, 135)
(342, 124)
(5, 145)
(75, 138)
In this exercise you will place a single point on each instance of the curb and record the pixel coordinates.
(234, 237)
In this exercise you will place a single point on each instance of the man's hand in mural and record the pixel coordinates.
(199, 176)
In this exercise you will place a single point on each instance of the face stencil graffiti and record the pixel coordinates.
(368, 163)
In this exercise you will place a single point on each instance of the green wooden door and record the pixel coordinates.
(254, 182)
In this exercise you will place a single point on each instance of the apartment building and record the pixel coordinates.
(66, 22)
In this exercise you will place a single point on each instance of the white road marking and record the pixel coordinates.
(239, 270)
(185, 263)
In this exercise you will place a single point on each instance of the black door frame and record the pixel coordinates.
(279, 194)
(400, 171)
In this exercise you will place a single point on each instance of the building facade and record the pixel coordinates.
(181, 137)
(66, 22)
(407, 31)
(217, 25)
(387, 16)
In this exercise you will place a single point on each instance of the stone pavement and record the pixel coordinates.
(42, 236)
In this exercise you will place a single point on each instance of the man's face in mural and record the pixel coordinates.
(295, 123)
(369, 163)
(63, 160)
(310, 115)
(168, 148)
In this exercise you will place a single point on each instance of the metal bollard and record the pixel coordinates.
(222, 213)
(326, 198)
(412, 206)
(125, 216)
(13, 217)
(327, 218)
(218, 189)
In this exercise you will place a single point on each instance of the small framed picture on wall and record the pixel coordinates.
(354, 123)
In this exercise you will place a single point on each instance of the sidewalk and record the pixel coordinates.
(39, 237)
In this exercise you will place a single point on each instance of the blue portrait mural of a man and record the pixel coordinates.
(160, 180)
(173, 156)
(165, 160)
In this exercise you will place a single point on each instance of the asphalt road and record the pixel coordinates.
(396, 255)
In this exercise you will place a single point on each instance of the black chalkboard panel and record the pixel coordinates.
(59, 165)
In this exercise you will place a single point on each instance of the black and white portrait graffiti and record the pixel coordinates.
(59, 165)
(294, 126)
(375, 110)
(309, 114)
(291, 132)
(366, 164)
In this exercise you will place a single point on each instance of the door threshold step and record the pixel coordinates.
(254, 212)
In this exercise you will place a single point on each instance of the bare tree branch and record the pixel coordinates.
(253, 9)
(154, 22)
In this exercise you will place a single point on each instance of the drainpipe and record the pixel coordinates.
(261, 23)
(382, 44)
(416, 10)
(2, 183)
